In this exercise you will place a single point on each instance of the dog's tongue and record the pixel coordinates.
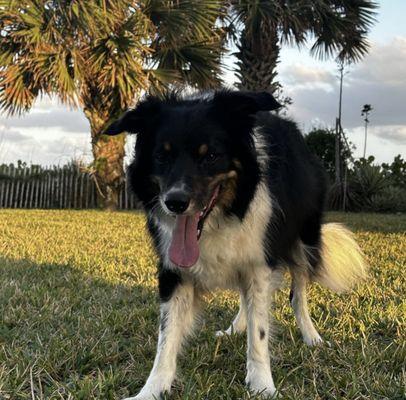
(184, 250)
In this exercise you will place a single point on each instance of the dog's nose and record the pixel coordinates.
(177, 202)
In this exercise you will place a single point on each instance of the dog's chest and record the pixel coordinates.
(228, 246)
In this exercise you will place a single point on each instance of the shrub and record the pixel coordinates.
(367, 180)
(390, 199)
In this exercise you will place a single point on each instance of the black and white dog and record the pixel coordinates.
(233, 199)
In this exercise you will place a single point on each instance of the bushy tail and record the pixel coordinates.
(342, 261)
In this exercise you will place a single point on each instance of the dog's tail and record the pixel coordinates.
(342, 262)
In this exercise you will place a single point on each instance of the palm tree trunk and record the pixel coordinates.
(108, 154)
(257, 59)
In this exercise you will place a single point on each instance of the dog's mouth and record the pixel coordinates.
(184, 247)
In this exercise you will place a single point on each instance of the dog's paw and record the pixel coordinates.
(314, 340)
(261, 383)
(147, 394)
(265, 393)
(227, 332)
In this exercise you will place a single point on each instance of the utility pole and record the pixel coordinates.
(365, 112)
(338, 127)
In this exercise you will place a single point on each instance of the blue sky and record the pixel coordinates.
(52, 134)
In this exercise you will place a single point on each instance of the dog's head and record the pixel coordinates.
(192, 156)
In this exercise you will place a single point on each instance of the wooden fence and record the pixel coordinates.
(53, 187)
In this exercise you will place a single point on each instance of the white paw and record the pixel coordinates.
(228, 332)
(144, 397)
(314, 340)
(259, 381)
(147, 393)
(266, 393)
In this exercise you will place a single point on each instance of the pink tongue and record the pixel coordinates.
(184, 250)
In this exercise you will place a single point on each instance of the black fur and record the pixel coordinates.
(297, 182)
(225, 122)
(167, 283)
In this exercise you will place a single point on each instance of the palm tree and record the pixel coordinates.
(365, 113)
(100, 56)
(337, 27)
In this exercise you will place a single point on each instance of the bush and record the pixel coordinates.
(396, 171)
(366, 181)
(369, 188)
(391, 199)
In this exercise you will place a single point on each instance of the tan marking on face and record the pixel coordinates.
(219, 178)
(203, 149)
(237, 163)
(228, 182)
(167, 146)
(227, 194)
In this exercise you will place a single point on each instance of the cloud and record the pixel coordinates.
(383, 142)
(378, 80)
(12, 135)
(303, 76)
(393, 133)
(49, 150)
(385, 63)
(51, 116)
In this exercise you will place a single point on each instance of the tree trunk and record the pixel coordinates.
(108, 154)
(257, 59)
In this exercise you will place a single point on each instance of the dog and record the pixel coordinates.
(233, 199)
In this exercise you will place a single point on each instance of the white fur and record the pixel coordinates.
(299, 303)
(239, 324)
(259, 377)
(343, 264)
(179, 314)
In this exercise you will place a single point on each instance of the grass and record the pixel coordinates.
(79, 317)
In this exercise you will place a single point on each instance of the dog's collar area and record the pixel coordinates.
(206, 211)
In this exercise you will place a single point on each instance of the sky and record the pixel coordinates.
(53, 134)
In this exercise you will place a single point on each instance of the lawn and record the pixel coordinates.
(79, 317)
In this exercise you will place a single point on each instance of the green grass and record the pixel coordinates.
(79, 317)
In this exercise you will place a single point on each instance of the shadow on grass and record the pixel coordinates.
(66, 334)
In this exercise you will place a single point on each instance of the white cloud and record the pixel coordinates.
(72, 121)
(11, 135)
(392, 133)
(299, 76)
(379, 80)
(383, 142)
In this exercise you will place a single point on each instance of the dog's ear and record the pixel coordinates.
(241, 104)
(136, 120)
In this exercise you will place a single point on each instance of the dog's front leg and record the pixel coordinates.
(259, 376)
(176, 319)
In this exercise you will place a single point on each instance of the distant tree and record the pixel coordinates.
(365, 113)
(337, 27)
(321, 142)
(100, 56)
(396, 171)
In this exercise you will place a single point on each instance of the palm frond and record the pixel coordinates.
(101, 54)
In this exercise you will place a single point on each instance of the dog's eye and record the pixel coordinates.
(211, 157)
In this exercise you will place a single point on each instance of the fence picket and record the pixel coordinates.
(11, 198)
(53, 187)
